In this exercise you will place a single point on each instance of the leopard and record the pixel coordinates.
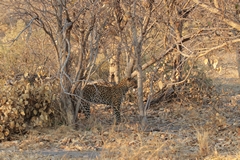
(108, 95)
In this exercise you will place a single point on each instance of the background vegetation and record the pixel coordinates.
(174, 48)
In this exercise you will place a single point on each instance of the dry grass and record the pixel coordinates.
(203, 142)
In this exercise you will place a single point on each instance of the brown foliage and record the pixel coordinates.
(29, 101)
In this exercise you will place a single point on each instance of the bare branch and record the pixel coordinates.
(29, 24)
(219, 13)
(152, 61)
(217, 47)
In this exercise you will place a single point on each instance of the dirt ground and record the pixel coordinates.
(171, 133)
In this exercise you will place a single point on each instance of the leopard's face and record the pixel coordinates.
(132, 83)
(128, 83)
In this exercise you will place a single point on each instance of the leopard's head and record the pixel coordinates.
(131, 82)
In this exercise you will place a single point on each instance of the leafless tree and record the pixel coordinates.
(61, 20)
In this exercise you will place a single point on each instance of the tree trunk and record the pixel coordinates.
(140, 85)
(64, 50)
(114, 69)
(177, 76)
(137, 50)
(177, 58)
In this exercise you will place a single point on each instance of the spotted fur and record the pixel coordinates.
(110, 95)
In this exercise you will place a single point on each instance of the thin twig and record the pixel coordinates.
(29, 24)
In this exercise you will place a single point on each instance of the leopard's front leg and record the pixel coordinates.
(86, 109)
(116, 111)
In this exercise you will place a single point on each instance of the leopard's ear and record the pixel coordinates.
(129, 78)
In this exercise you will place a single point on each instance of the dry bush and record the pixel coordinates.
(196, 90)
(27, 101)
(24, 52)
